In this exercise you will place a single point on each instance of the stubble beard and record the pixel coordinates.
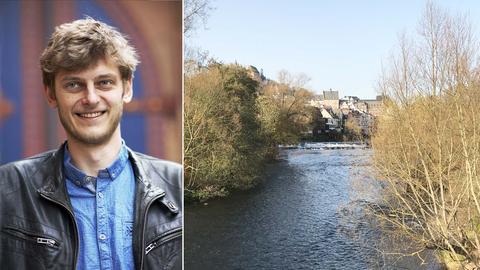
(83, 136)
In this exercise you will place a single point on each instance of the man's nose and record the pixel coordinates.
(91, 96)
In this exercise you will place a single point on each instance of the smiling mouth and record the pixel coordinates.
(90, 114)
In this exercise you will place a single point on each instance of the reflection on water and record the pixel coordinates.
(303, 215)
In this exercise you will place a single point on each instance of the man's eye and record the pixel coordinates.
(105, 82)
(72, 85)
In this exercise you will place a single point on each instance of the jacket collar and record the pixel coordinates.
(145, 188)
(55, 186)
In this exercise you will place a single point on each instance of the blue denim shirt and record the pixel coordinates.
(104, 211)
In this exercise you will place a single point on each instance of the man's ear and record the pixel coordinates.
(127, 90)
(51, 98)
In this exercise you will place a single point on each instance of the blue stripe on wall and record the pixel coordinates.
(11, 134)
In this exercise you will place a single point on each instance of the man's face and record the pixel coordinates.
(90, 102)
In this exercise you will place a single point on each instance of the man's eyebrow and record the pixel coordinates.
(75, 78)
(71, 78)
(103, 76)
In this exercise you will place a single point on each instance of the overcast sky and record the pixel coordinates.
(339, 44)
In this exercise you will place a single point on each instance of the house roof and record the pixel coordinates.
(326, 114)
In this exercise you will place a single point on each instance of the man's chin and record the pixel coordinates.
(91, 135)
(92, 139)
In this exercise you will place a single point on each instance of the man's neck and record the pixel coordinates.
(92, 158)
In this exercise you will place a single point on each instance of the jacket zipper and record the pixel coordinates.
(145, 224)
(163, 239)
(72, 218)
(47, 241)
(50, 242)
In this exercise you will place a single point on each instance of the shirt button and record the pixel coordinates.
(77, 182)
(102, 236)
(100, 194)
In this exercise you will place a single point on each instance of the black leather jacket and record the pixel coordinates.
(38, 229)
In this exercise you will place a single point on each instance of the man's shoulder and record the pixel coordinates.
(27, 164)
(26, 173)
(153, 161)
(159, 169)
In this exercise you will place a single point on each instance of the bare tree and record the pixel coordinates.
(427, 146)
(291, 89)
(195, 12)
(399, 81)
(283, 107)
(439, 59)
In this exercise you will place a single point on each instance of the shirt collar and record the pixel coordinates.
(81, 179)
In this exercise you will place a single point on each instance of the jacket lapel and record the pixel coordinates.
(55, 187)
(145, 194)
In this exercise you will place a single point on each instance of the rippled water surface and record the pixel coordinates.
(301, 216)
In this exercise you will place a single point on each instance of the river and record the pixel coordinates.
(304, 214)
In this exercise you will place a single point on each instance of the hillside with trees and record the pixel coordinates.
(234, 119)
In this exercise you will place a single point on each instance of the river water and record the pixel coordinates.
(304, 214)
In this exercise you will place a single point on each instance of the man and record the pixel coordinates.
(93, 203)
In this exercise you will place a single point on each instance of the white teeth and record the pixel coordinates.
(90, 115)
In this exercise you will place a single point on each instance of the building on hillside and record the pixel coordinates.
(331, 121)
(348, 102)
(363, 121)
(362, 106)
(316, 101)
(370, 106)
(325, 121)
(332, 114)
(374, 106)
(330, 99)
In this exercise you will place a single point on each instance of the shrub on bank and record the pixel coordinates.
(223, 145)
